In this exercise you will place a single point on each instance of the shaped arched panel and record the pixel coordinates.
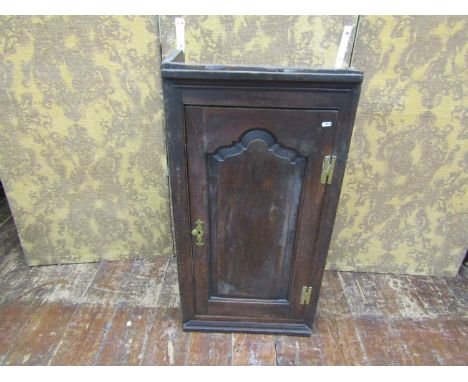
(254, 190)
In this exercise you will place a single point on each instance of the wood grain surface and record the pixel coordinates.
(127, 313)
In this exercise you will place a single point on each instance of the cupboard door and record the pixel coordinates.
(255, 205)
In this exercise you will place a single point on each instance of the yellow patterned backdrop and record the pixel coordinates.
(404, 203)
(82, 153)
(82, 146)
(404, 206)
(308, 41)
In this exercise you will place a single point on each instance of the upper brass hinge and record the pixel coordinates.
(305, 295)
(328, 165)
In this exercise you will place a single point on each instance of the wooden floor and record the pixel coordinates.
(127, 313)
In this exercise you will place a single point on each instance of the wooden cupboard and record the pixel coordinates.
(256, 158)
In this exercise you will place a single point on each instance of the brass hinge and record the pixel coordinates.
(328, 165)
(305, 295)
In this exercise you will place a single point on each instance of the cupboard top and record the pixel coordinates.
(174, 67)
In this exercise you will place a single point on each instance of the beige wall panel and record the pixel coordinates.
(308, 41)
(404, 203)
(82, 154)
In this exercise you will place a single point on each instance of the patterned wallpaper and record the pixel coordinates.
(307, 41)
(404, 203)
(82, 153)
(82, 145)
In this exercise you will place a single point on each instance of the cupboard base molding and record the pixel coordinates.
(247, 327)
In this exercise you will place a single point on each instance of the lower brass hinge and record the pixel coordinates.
(305, 295)
(328, 165)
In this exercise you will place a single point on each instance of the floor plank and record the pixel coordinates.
(459, 287)
(382, 344)
(436, 296)
(210, 349)
(83, 337)
(125, 340)
(128, 313)
(332, 300)
(169, 297)
(380, 295)
(40, 335)
(109, 284)
(340, 342)
(253, 350)
(144, 286)
(448, 339)
(300, 351)
(13, 317)
(166, 343)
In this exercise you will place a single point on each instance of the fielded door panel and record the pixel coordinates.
(251, 172)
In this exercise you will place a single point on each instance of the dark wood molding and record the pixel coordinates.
(174, 67)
